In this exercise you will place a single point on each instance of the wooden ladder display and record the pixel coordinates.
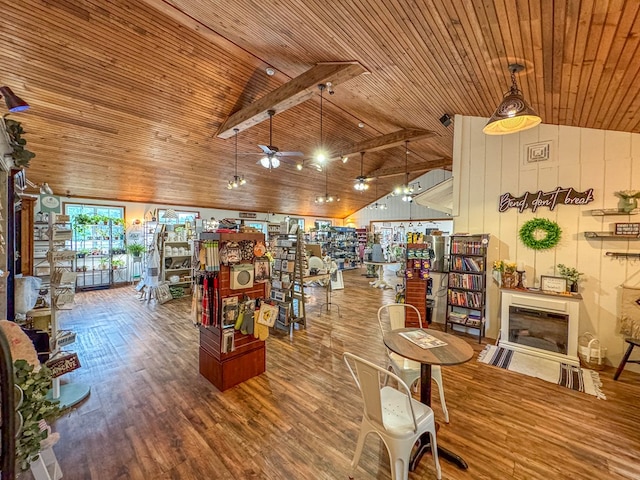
(287, 289)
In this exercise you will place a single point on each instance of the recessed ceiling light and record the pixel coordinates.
(361, 125)
(270, 71)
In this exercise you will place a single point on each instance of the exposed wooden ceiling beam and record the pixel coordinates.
(290, 94)
(384, 141)
(417, 168)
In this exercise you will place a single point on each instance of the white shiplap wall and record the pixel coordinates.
(486, 166)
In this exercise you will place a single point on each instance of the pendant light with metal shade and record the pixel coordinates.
(237, 180)
(14, 103)
(514, 113)
(320, 156)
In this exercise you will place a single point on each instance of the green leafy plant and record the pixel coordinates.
(35, 408)
(21, 156)
(117, 263)
(136, 249)
(571, 274)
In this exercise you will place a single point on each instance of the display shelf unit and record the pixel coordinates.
(287, 280)
(599, 212)
(610, 236)
(101, 255)
(467, 293)
(61, 257)
(223, 368)
(416, 279)
(273, 230)
(177, 251)
(342, 247)
(363, 238)
(41, 267)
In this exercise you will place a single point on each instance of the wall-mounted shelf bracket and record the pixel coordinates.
(622, 255)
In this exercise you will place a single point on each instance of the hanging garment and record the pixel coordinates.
(206, 318)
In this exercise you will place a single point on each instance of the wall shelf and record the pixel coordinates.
(610, 236)
(599, 212)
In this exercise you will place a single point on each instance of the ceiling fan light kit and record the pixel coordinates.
(407, 189)
(514, 113)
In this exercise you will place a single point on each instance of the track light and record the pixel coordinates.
(14, 103)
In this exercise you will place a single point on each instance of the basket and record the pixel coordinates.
(592, 354)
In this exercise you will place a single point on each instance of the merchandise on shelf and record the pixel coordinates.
(101, 258)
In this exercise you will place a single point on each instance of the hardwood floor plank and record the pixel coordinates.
(151, 415)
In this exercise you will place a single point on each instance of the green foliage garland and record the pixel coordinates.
(35, 407)
(550, 240)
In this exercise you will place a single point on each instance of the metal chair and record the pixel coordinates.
(409, 370)
(392, 414)
(633, 342)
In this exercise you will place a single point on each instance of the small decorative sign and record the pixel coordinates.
(247, 215)
(535, 200)
(67, 362)
(553, 284)
(628, 229)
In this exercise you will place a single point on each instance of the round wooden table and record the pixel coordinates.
(455, 352)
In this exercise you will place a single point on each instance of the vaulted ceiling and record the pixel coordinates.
(127, 97)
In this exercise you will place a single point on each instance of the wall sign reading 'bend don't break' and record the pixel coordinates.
(535, 200)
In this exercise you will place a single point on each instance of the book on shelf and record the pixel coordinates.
(422, 339)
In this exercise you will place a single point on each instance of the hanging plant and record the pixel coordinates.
(540, 234)
(21, 156)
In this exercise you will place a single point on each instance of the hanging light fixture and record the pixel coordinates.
(327, 198)
(320, 155)
(513, 114)
(376, 205)
(270, 160)
(361, 181)
(237, 180)
(407, 189)
(14, 103)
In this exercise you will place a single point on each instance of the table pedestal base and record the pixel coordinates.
(424, 445)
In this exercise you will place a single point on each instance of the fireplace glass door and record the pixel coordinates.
(539, 329)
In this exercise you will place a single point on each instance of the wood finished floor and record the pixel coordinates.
(150, 414)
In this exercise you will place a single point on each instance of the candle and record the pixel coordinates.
(521, 266)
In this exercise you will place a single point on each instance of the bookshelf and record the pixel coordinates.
(467, 291)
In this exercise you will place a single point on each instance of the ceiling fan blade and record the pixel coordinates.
(269, 150)
(289, 154)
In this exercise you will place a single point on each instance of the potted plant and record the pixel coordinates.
(136, 249)
(83, 252)
(571, 274)
(117, 263)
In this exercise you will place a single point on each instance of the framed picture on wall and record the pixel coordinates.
(553, 284)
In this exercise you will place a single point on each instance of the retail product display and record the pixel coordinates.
(418, 263)
(287, 284)
(100, 254)
(176, 263)
(62, 290)
(341, 244)
(466, 296)
(226, 297)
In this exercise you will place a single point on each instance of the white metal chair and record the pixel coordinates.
(409, 370)
(393, 414)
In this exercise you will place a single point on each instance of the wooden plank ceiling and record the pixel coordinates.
(127, 97)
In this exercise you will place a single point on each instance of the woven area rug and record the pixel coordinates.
(576, 378)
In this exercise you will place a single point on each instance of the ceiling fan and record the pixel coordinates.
(271, 154)
(361, 180)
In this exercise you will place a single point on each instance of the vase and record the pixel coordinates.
(509, 280)
(573, 288)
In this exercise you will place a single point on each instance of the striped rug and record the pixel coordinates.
(575, 378)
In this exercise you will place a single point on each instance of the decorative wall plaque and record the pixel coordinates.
(535, 200)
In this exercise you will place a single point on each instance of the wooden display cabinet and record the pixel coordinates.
(225, 370)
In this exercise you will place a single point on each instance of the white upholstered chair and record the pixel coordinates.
(392, 414)
(393, 315)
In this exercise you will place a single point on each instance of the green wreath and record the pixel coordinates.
(550, 240)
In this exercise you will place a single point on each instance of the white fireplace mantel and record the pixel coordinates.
(537, 300)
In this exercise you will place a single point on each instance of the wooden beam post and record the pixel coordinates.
(290, 94)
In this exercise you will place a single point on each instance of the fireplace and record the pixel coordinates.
(540, 324)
